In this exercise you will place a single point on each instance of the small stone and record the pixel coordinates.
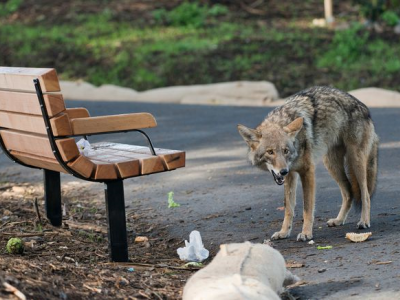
(5, 218)
(396, 29)
(6, 212)
(248, 208)
(18, 190)
(321, 270)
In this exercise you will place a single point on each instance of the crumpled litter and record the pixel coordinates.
(84, 147)
(194, 249)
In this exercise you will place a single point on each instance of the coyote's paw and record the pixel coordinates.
(303, 237)
(363, 225)
(335, 222)
(280, 235)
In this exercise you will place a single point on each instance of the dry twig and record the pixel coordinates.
(252, 10)
(11, 289)
(86, 226)
(38, 212)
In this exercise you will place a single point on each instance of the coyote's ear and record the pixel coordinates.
(293, 128)
(251, 136)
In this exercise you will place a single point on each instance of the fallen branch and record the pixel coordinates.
(257, 3)
(251, 10)
(37, 212)
(6, 187)
(383, 262)
(85, 226)
(5, 224)
(92, 289)
(299, 283)
(128, 264)
(22, 234)
(290, 265)
(11, 289)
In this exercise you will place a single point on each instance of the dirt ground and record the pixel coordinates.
(71, 262)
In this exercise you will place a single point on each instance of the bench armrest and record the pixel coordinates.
(78, 112)
(104, 124)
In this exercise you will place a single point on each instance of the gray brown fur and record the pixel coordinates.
(319, 121)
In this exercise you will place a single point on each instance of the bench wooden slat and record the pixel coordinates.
(39, 145)
(37, 161)
(22, 79)
(35, 124)
(83, 166)
(83, 126)
(61, 125)
(68, 149)
(173, 161)
(29, 123)
(125, 169)
(151, 165)
(128, 168)
(105, 171)
(29, 104)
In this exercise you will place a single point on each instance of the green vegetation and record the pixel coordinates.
(355, 52)
(189, 14)
(375, 10)
(195, 44)
(9, 7)
(390, 18)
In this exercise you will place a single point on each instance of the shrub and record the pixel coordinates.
(390, 18)
(347, 46)
(188, 14)
(9, 7)
(385, 10)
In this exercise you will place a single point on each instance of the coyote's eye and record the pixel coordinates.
(285, 151)
(270, 152)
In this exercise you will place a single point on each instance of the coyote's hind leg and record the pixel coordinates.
(334, 162)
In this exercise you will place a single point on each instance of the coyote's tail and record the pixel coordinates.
(372, 170)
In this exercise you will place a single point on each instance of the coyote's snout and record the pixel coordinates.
(317, 121)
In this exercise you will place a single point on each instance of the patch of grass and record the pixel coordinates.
(390, 18)
(9, 7)
(347, 47)
(361, 58)
(189, 14)
(91, 236)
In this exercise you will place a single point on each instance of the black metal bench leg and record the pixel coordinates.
(52, 197)
(115, 205)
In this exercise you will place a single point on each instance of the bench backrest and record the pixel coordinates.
(22, 125)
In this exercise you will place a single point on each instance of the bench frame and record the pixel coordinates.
(114, 190)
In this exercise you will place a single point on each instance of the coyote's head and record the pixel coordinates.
(271, 147)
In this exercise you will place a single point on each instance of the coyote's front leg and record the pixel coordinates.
(290, 203)
(307, 176)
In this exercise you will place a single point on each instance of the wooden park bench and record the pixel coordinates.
(38, 131)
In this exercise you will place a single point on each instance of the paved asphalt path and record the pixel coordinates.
(227, 200)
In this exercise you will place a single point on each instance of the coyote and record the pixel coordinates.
(319, 121)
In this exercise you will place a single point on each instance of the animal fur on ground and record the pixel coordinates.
(241, 271)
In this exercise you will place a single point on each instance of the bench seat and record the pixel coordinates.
(113, 161)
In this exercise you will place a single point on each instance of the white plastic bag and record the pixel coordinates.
(84, 147)
(194, 249)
